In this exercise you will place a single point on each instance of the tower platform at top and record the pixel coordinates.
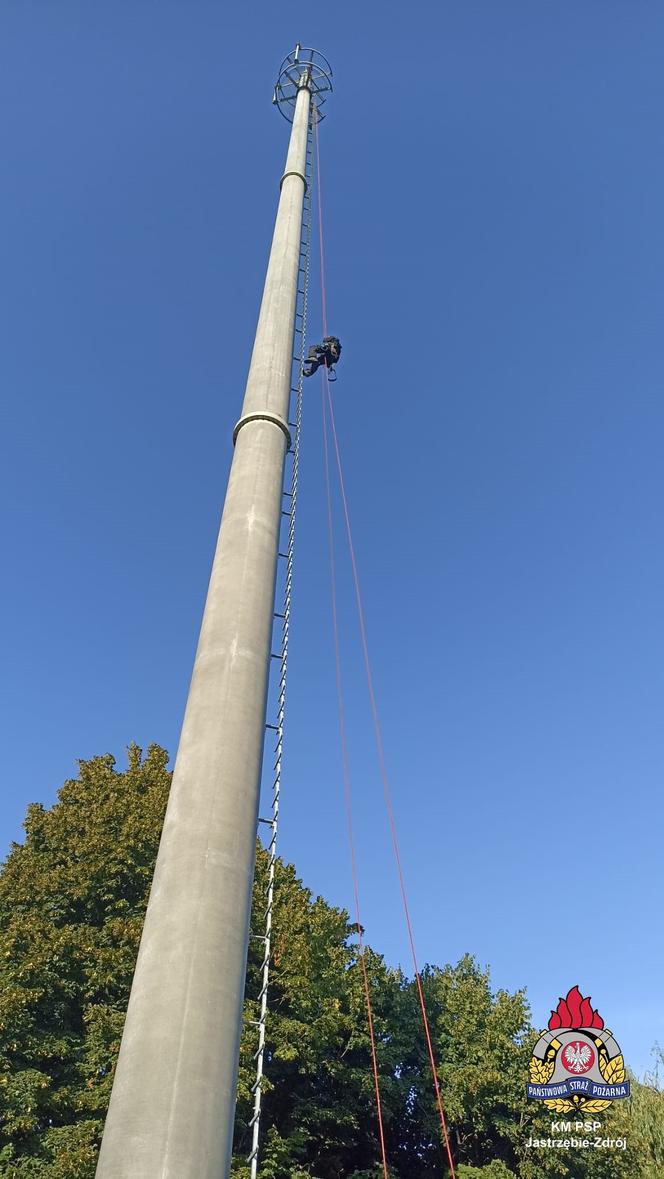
(302, 63)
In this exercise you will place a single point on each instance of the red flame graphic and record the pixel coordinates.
(575, 1012)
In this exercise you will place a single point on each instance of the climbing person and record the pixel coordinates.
(326, 353)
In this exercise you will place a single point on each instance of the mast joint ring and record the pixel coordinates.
(263, 417)
(294, 173)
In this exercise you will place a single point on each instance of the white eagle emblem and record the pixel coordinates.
(577, 1056)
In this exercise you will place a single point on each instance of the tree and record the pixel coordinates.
(72, 901)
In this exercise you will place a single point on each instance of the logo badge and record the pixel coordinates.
(576, 1063)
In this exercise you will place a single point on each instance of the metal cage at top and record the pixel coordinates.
(298, 64)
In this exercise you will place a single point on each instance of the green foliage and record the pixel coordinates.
(494, 1170)
(72, 901)
(645, 1122)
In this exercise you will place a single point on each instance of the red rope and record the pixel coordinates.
(342, 711)
(372, 698)
(348, 798)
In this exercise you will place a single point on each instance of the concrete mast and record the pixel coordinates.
(173, 1101)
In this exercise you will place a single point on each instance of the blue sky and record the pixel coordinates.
(494, 187)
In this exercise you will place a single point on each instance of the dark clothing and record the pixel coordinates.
(326, 353)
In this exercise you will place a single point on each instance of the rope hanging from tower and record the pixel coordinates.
(328, 416)
(325, 356)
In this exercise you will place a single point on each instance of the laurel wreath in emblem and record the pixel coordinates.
(612, 1070)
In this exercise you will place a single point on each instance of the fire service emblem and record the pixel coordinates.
(577, 1064)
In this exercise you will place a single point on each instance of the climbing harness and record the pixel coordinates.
(328, 353)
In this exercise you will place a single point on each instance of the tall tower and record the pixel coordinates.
(172, 1106)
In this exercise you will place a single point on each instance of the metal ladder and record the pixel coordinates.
(288, 512)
